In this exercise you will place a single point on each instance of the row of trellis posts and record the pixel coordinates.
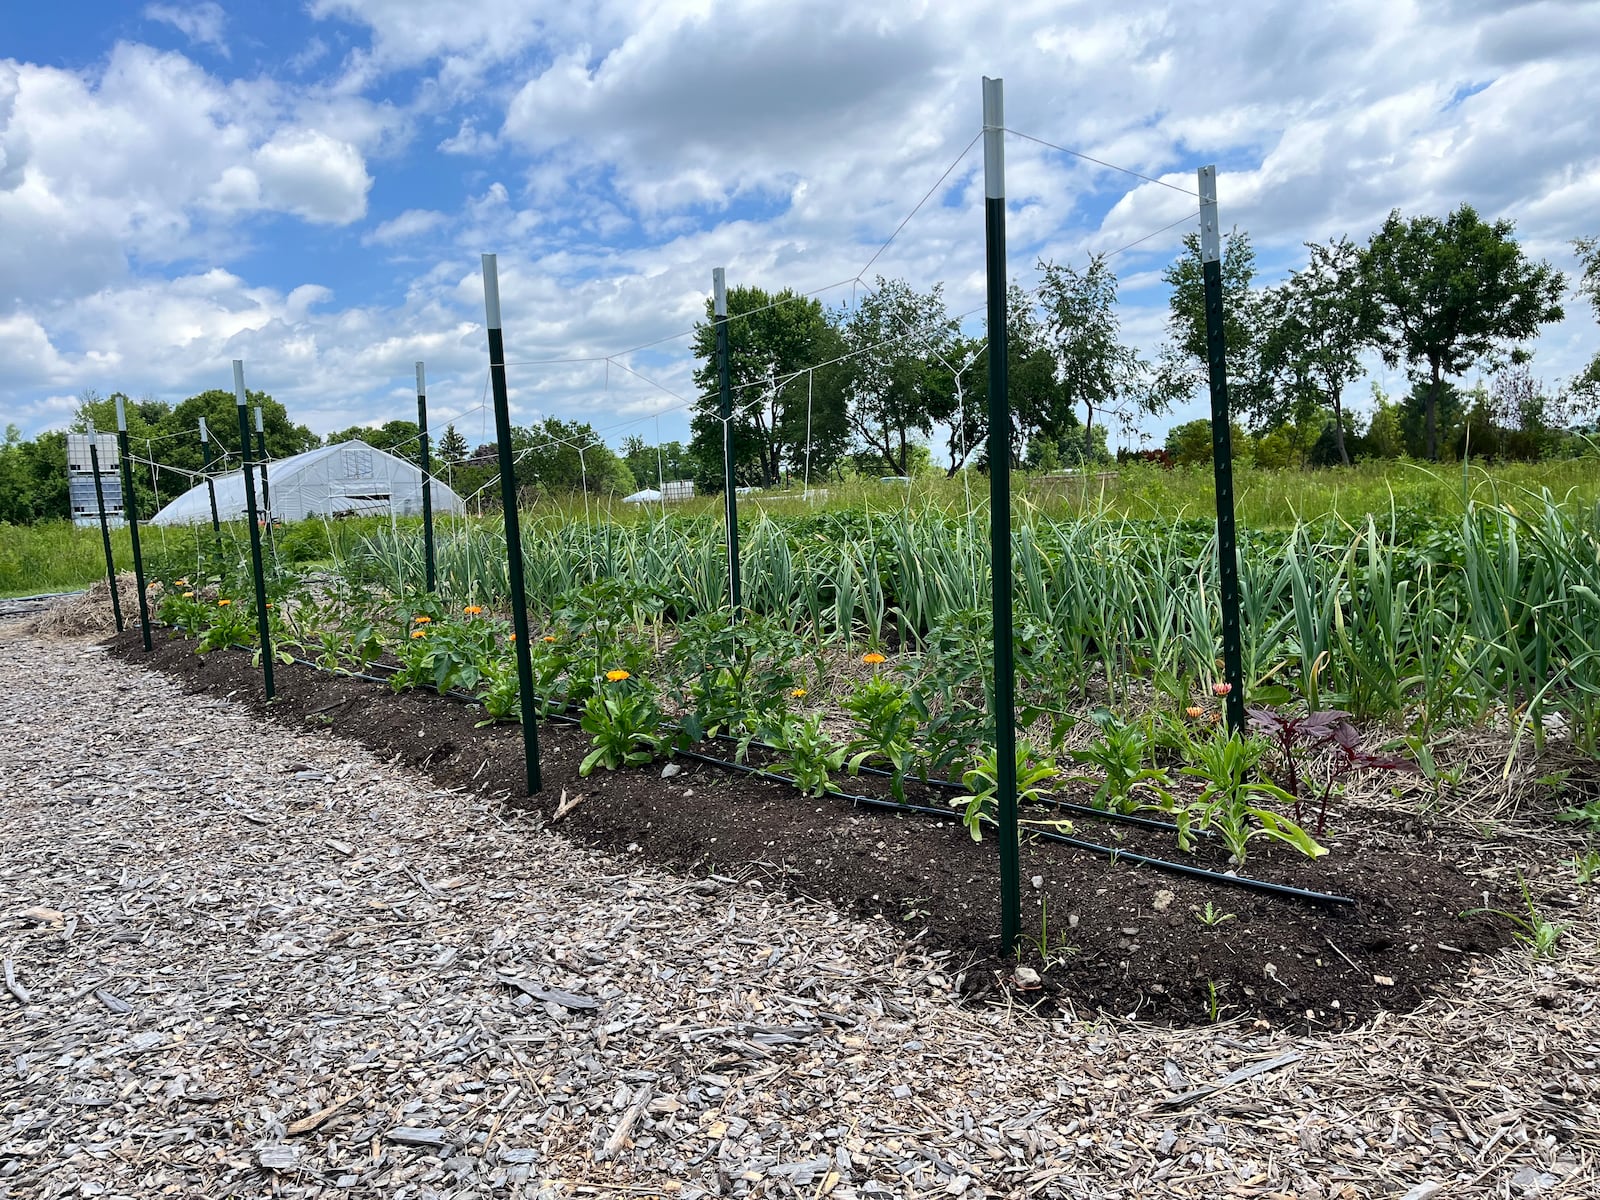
(999, 454)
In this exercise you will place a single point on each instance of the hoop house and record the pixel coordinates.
(335, 481)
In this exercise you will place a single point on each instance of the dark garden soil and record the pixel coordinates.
(1124, 939)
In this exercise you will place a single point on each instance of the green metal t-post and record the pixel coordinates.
(105, 525)
(211, 489)
(130, 510)
(1005, 720)
(1221, 450)
(263, 629)
(427, 478)
(719, 308)
(508, 501)
(261, 460)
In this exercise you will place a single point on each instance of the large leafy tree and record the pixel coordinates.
(772, 339)
(1449, 294)
(1041, 412)
(1312, 336)
(33, 477)
(400, 438)
(1583, 394)
(556, 458)
(1183, 366)
(1083, 331)
(898, 377)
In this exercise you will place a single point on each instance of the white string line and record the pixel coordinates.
(856, 278)
(920, 203)
(1100, 162)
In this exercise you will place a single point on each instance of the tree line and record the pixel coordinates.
(868, 388)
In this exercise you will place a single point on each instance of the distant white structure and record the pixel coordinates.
(333, 481)
(678, 489)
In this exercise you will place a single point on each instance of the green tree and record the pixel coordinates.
(452, 446)
(652, 465)
(1449, 294)
(1582, 399)
(401, 438)
(1184, 363)
(1190, 442)
(1384, 437)
(772, 339)
(33, 478)
(899, 376)
(1095, 368)
(1037, 400)
(1313, 332)
(558, 458)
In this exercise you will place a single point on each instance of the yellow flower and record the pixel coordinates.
(618, 675)
(797, 693)
(416, 633)
(180, 583)
(224, 603)
(422, 620)
(472, 610)
(874, 658)
(188, 595)
(1194, 712)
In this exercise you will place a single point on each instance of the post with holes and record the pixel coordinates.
(1005, 721)
(266, 497)
(427, 479)
(532, 706)
(105, 525)
(719, 309)
(130, 510)
(263, 629)
(261, 460)
(211, 489)
(1221, 450)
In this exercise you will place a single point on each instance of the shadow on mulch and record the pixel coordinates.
(1123, 939)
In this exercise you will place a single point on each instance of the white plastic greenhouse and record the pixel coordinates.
(332, 481)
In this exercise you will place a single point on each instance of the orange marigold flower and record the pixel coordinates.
(180, 583)
(1194, 712)
(511, 637)
(416, 633)
(224, 603)
(618, 675)
(797, 692)
(874, 658)
(422, 620)
(549, 637)
(472, 610)
(1221, 689)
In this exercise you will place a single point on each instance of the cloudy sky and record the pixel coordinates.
(308, 186)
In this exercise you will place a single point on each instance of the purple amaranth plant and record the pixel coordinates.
(1297, 737)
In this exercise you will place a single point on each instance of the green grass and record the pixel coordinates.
(55, 556)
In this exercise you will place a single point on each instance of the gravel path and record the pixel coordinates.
(246, 960)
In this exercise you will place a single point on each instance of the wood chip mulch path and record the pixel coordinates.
(242, 961)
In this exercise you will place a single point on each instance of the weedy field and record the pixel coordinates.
(1410, 677)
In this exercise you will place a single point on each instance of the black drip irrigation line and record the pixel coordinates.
(1111, 852)
(1086, 810)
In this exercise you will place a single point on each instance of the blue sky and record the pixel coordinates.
(308, 186)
